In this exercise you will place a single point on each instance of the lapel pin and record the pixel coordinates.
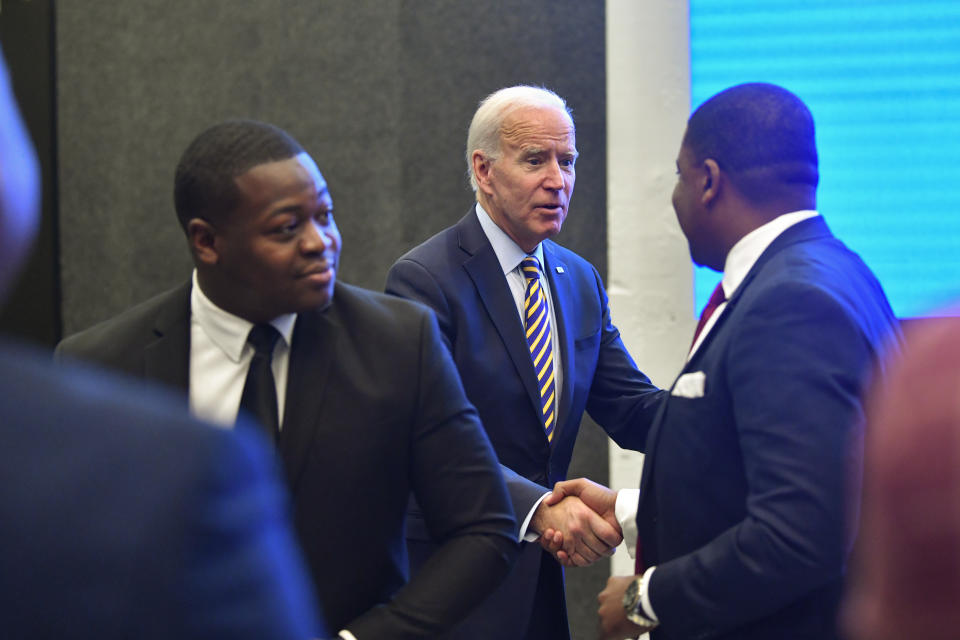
(559, 269)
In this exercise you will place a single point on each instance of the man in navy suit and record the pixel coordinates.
(530, 384)
(367, 405)
(743, 513)
(123, 517)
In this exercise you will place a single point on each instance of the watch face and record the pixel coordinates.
(631, 597)
(633, 608)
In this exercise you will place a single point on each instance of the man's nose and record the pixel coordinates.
(314, 239)
(554, 179)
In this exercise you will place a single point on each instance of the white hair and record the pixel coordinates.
(484, 133)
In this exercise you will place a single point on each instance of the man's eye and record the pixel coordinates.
(567, 162)
(288, 227)
(534, 161)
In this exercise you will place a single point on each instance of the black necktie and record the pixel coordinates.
(260, 392)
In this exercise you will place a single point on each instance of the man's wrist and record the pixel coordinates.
(528, 532)
(645, 594)
(633, 605)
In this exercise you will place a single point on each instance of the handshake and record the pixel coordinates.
(577, 522)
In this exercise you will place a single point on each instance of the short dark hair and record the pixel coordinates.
(760, 134)
(203, 185)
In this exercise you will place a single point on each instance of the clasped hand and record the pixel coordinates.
(577, 522)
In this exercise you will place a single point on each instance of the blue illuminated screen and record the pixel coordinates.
(882, 79)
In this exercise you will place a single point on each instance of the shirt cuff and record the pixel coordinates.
(626, 512)
(645, 595)
(531, 536)
(346, 635)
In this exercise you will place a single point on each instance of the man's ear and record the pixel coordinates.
(712, 182)
(481, 170)
(202, 238)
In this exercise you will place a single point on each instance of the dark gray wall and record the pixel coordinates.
(32, 310)
(379, 91)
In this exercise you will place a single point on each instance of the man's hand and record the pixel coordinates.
(613, 618)
(600, 499)
(570, 527)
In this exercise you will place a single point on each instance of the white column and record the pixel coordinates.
(650, 279)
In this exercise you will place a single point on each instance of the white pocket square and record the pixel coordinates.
(690, 385)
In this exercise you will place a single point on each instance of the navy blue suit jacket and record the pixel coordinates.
(745, 490)
(458, 275)
(124, 518)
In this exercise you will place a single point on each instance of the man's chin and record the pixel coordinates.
(551, 230)
(313, 300)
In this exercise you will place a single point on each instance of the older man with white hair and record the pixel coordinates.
(528, 325)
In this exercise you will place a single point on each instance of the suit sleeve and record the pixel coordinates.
(622, 399)
(244, 576)
(459, 487)
(795, 368)
(411, 280)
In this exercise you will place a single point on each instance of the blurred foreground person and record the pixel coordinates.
(905, 581)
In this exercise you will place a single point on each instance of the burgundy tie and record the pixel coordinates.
(717, 298)
(638, 567)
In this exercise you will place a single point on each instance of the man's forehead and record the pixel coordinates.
(299, 166)
(532, 124)
(314, 171)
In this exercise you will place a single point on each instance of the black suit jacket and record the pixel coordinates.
(458, 275)
(746, 485)
(123, 518)
(374, 410)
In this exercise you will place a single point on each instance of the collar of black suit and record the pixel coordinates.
(167, 358)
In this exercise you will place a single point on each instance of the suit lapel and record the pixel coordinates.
(167, 359)
(562, 296)
(311, 356)
(484, 269)
(805, 230)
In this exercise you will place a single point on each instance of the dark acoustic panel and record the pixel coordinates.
(380, 92)
(32, 310)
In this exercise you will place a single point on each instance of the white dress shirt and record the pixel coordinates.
(220, 358)
(741, 258)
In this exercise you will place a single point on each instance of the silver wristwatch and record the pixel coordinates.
(632, 605)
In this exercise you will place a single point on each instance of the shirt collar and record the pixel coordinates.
(748, 249)
(227, 331)
(509, 254)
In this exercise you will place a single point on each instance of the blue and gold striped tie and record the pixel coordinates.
(537, 317)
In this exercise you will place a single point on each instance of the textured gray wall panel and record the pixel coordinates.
(379, 91)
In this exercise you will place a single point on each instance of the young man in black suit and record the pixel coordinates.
(365, 403)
